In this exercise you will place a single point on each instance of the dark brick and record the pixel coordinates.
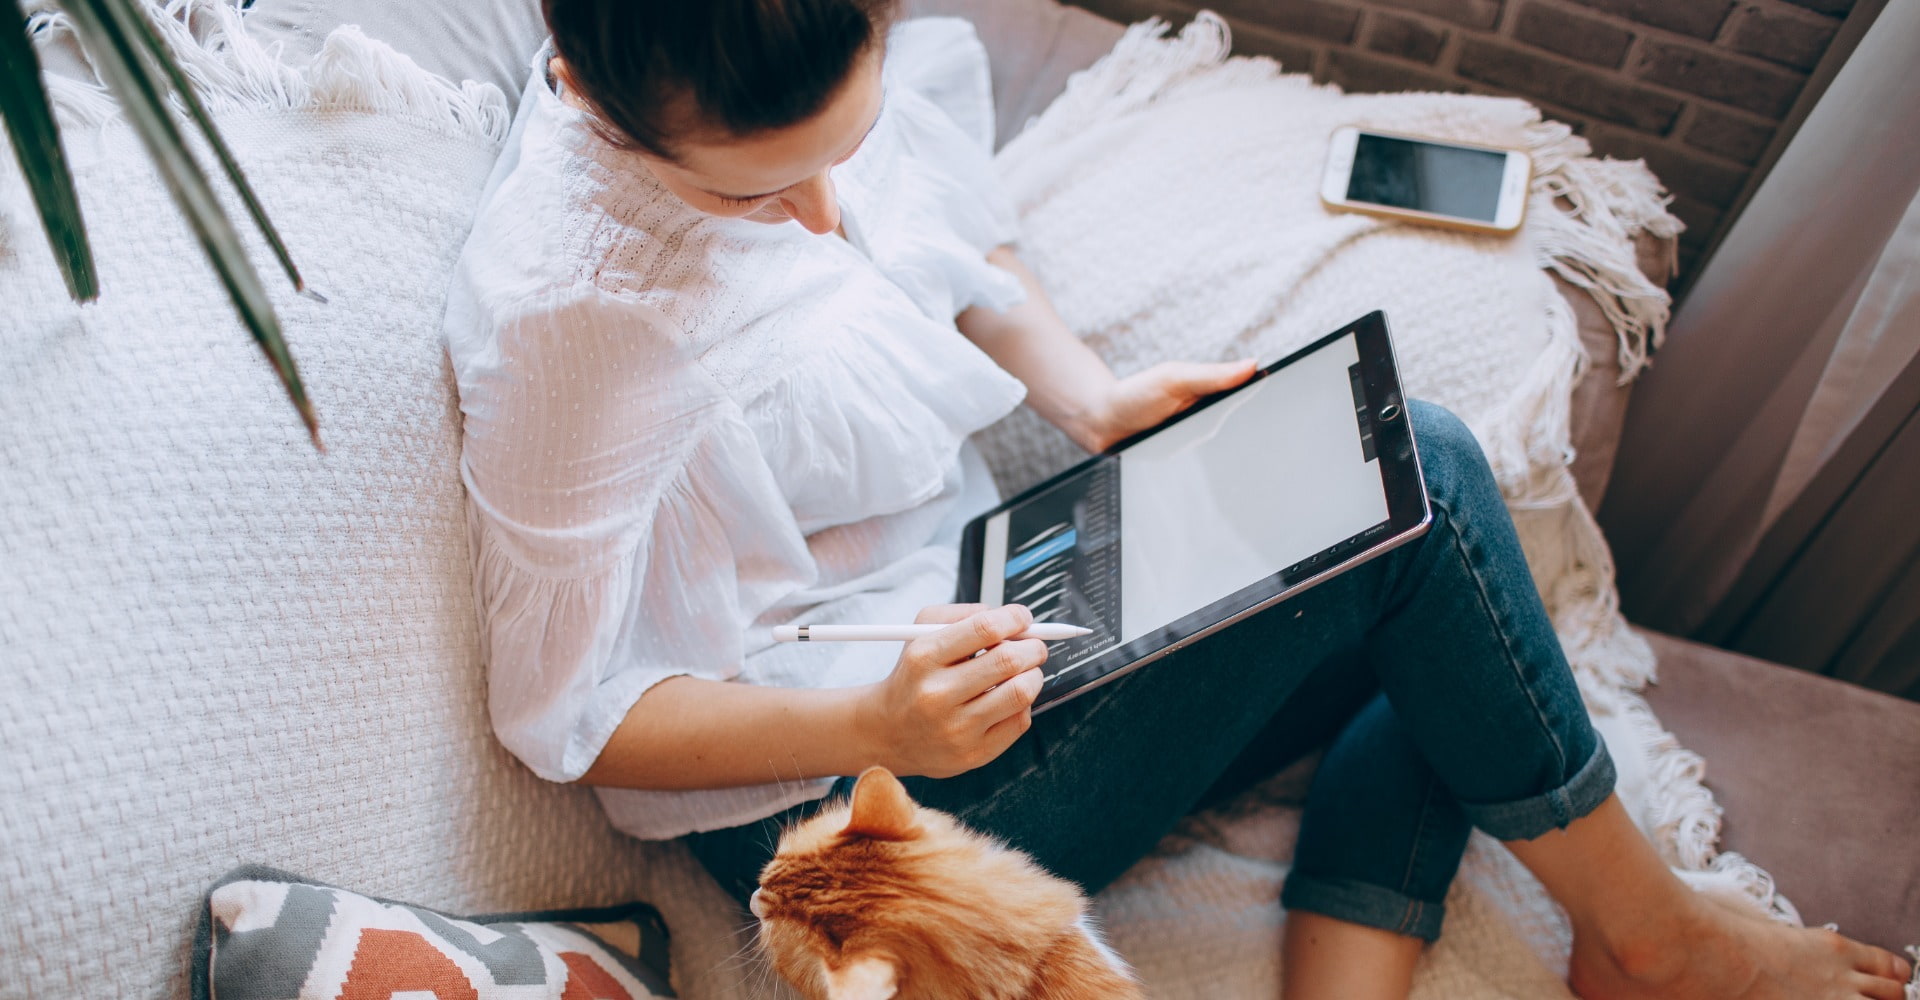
(1364, 74)
(1733, 136)
(1481, 14)
(1831, 8)
(1692, 251)
(1699, 18)
(1295, 56)
(1796, 40)
(1406, 37)
(1328, 22)
(1687, 263)
(1759, 89)
(1575, 36)
(1701, 218)
(1582, 90)
(1684, 173)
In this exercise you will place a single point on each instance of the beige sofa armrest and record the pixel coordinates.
(1816, 777)
(1600, 401)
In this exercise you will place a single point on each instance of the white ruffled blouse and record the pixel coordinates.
(682, 430)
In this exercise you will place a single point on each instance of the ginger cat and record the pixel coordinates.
(880, 898)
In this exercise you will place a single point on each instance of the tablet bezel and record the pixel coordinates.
(1409, 516)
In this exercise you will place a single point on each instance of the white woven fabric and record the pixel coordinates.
(219, 647)
(1219, 248)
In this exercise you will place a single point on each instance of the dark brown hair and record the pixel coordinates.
(738, 66)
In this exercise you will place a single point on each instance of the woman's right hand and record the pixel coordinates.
(945, 710)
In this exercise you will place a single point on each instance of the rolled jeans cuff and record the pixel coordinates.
(1525, 819)
(1364, 904)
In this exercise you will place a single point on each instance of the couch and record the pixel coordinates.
(144, 758)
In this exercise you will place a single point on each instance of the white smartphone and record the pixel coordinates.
(1452, 184)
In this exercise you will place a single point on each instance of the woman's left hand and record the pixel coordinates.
(1146, 398)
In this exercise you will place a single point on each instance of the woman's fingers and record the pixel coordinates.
(946, 614)
(1001, 735)
(977, 631)
(984, 676)
(1011, 707)
(970, 707)
(1194, 380)
(1011, 697)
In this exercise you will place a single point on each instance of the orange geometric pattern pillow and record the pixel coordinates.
(267, 935)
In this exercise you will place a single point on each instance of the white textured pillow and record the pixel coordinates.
(217, 646)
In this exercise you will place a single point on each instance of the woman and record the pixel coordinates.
(739, 291)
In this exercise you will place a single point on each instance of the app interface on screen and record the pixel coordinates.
(1232, 495)
(1427, 177)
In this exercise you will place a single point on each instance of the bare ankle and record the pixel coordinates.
(1652, 949)
(1644, 958)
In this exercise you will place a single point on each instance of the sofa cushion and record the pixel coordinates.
(266, 933)
(1818, 779)
(1032, 47)
(491, 41)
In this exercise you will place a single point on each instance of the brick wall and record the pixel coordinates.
(1697, 88)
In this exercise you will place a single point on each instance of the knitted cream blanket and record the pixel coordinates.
(152, 604)
(1169, 201)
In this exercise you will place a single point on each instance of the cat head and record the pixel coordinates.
(879, 897)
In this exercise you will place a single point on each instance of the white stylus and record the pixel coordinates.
(1048, 631)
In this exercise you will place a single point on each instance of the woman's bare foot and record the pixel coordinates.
(1722, 951)
(1640, 934)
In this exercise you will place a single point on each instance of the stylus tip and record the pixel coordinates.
(1055, 631)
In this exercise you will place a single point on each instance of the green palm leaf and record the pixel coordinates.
(36, 145)
(163, 58)
(128, 57)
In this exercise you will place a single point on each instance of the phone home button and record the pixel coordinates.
(1388, 411)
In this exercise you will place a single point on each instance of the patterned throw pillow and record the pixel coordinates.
(268, 935)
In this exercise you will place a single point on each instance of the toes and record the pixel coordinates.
(1878, 962)
(1876, 988)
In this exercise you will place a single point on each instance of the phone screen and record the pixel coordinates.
(1427, 177)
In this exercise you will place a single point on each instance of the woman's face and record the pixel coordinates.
(778, 175)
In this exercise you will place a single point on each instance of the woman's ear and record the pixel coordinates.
(570, 92)
(867, 978)
(881, 808)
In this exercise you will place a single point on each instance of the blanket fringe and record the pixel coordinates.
(1586, 212)
(233, 71)
(1680, 813)
(1584, 215)
(1146, 66)
(1683, 818)
(1534, 467)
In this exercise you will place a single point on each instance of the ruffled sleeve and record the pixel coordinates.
(942, 60)
(925, 191)
(625, 527)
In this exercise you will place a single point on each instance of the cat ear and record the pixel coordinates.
(866, 978)
(881, 807)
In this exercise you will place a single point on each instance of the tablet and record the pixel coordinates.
(1245, 499)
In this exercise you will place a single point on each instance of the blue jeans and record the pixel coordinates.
(1434, 669)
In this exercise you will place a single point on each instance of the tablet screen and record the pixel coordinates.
(1245, 489)
(1251, 488)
